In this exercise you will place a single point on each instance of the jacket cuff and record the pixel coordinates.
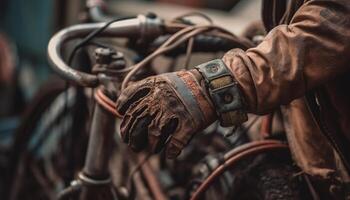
(237, 62)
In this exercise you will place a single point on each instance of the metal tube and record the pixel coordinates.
(140, 27)
(124, 28)
(100, 144)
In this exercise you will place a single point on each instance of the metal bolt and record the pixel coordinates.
(109, 57)
(104, 55)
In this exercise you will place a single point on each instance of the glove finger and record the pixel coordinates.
(163, 125)
(167, 130)
(139, 133)
(132, 94)
(129, 120)
(173, 148)
(180, 138)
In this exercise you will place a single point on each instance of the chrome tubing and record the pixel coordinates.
(141, 27)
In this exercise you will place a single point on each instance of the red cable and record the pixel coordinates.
(106, 103)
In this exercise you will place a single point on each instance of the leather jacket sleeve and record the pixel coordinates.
(311, 50)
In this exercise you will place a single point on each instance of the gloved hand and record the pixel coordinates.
(165, 111)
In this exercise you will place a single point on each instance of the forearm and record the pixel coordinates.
(294, 58)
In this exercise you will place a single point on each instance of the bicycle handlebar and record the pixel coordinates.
(140, 27)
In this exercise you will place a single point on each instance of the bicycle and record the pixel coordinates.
(110, 74)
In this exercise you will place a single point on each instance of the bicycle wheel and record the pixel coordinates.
(50, 142)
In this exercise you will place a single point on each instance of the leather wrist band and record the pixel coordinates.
(224, 92)
(186, 96)
(189, 91)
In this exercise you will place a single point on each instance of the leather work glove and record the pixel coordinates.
(168, 109)
(164, 111)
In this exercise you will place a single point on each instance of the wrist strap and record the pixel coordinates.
(224, 92)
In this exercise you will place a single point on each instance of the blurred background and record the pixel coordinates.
(26, 27)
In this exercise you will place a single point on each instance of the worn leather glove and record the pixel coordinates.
(165, 111)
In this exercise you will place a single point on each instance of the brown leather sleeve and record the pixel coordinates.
(312, 49)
